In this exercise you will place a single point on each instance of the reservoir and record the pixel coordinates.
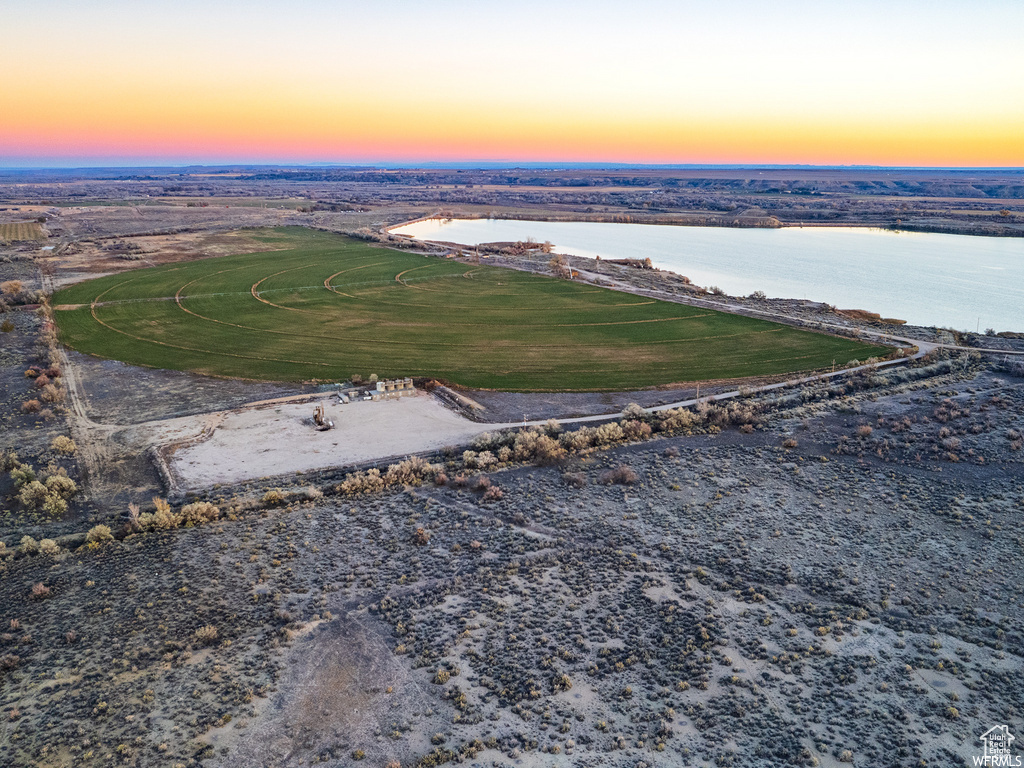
(964, 282)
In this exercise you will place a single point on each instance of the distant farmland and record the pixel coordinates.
(21, 230)
(326, 307)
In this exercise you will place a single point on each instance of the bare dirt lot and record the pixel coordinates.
(280, 439)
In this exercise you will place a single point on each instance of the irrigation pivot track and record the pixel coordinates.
(325, 307)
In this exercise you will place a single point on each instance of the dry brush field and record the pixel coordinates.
(823, 593)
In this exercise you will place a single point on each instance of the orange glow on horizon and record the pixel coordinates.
(275, 89)
(384, 131)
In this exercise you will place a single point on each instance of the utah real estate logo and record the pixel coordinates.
(997, 740)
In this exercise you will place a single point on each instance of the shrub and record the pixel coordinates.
(547, 450)
(621, 475)
(29, 546)
(198, 513)
(63, 444)
(9, 461)
(634, 411)
(864, 430)
(55, 506)
(274, 498)
(607, 434)
(22, 474)
(713, 415)
(789, 443)
(33, 495)
(574, 479)
(421, 538)
(486, 459)
(494, 493)
(741, 413)
(484, 441)
(413, 471)
(525, 444)
(206, 635)
(161, 520)
(677, 420)
(576, 441)
(99, 535)
(61, 485)
(361, 482)
(31, 406)
(51, 394)
(634, 431)
(134, 524)
(40, 591)
(49, 547)
(6, 326)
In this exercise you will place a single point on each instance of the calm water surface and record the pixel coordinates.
(956, 281)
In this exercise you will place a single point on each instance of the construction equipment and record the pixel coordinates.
(320, 421)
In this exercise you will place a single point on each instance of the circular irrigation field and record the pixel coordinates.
(327, 307)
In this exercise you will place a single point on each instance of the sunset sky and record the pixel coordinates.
(899, 82)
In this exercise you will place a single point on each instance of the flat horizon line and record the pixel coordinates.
(499, 165)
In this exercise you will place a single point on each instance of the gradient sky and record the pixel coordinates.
(894, 82)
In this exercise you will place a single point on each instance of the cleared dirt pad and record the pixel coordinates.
(345, 685)
(258, 442)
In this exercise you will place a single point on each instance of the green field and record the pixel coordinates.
(326, 307)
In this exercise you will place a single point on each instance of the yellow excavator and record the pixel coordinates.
(320, 421)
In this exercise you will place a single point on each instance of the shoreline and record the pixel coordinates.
(503, 247)
(710, 222)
